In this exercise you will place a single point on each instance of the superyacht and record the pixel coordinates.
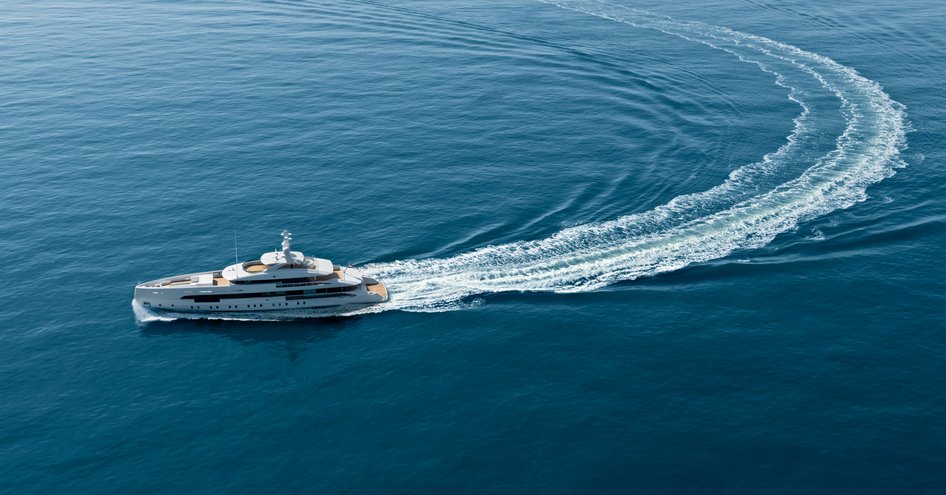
(278, 280)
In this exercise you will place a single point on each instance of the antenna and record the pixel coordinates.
(236, 253)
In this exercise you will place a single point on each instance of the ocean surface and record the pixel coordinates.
(633, 247)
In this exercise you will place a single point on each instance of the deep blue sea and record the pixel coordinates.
(633, 247)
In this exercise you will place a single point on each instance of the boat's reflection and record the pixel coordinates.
(298, 332)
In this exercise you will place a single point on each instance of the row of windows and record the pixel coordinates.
(315, 296)
(299, 284)
(280, 281)
(237, 306)
(290, 294)
(296, 280)
(247, 306)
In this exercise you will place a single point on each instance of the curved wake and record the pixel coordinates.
(746, 211)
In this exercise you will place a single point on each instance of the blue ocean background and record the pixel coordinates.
(633, 247)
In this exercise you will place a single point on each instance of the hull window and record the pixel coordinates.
(289, 295)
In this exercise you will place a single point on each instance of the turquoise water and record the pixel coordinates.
(632, 247)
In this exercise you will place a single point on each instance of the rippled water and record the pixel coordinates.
(631, 246)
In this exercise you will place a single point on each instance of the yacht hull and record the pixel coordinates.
(164, 294)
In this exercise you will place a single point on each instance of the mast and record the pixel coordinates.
(287, 246)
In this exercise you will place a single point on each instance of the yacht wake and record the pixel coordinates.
(748, 210)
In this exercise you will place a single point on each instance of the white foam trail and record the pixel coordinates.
(679, 233)
(746, 211)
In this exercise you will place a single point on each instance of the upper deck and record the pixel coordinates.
(216, 279)
(285, 268)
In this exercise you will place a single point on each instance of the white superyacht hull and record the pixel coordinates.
(178, 295)
(278, 281)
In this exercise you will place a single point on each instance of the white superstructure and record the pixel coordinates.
(278, 280)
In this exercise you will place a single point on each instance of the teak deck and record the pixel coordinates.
(380, 290)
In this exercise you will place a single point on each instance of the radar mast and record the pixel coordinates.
(287, 245)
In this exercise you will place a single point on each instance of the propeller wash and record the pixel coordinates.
(746, 211)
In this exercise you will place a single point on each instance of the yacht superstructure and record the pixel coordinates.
(278, 280)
